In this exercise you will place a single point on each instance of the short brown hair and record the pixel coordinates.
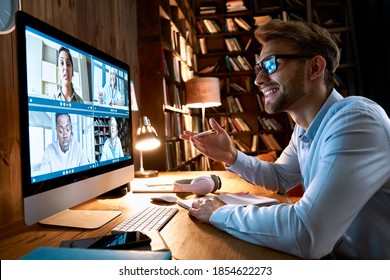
(310, 37)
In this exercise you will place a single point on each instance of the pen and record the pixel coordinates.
(211, 131)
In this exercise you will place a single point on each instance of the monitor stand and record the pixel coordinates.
(86, 219)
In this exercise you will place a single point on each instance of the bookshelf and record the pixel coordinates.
(166, 47)
(228, 50)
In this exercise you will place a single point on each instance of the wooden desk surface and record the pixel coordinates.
(186, 237)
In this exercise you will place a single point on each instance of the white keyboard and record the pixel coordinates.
(150, 218)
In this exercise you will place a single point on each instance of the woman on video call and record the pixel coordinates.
(65, 71)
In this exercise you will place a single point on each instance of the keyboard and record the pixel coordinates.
(148, 219)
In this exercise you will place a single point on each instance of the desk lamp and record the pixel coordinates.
(146, 140)
(203, 93)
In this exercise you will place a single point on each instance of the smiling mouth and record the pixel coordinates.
(270, 92)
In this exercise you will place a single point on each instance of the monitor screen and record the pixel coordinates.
(75, 120)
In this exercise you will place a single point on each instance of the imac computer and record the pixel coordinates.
(75, 122)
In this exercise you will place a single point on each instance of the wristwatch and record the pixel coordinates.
(8, 9)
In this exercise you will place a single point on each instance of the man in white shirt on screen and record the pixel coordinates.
(65, 153)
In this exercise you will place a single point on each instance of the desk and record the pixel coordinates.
(186, 237)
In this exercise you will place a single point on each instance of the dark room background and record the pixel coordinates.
(372, 24)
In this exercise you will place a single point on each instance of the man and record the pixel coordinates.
(65, 153)
(112, 146)
(339, 151)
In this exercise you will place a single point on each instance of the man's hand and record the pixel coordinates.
(202, 209)
(217, 146)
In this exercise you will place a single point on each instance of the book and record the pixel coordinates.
(270, 141)
(203, 46)
(237, 87)
(238, 102)
(255, 142)
(237, 199)
(259, 20)
(248, 44)
(241, 145)
(242, 23)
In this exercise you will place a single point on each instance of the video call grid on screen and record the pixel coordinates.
(89, 120)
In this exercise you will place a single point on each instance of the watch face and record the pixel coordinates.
(7, 15)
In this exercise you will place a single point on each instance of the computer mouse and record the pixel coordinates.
(164, 198)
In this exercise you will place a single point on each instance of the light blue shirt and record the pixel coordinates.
(112, 149)
(343, 162)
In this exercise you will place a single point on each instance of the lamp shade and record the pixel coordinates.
(147, 138)
(203, 92)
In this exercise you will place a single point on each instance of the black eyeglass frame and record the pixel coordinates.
(262, 68)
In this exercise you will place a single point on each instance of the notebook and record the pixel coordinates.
(154, 185)
(234, 199)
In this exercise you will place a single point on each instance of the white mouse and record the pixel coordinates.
(164, 198)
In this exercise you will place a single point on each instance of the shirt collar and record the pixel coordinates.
(313, 128)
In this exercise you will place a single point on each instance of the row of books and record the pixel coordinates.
(235, 6)
(237, 63)
(233, 124)
(208, 26)
(232, 63)
(233, 24)
(211, 26)
(179, 152)
(180, 45)
(231, 6)
(233, 45)
(269, 123)
(243, 84)
(268, 140)
(208, 10)
(234, 104)
(214, 67)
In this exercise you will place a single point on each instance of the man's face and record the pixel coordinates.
(64, 132)
(113, 128)
(112, 76)
(285, 86)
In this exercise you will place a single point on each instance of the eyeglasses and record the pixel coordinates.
(269, 64)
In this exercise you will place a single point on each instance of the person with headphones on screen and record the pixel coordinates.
(65, 71)
(339, 151)
(64, 153)
(112, 146)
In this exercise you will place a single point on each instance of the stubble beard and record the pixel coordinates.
(288, 94)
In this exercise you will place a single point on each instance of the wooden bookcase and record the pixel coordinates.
(216, 58)
(166, 48)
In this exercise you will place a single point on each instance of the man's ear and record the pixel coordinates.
(318, 67)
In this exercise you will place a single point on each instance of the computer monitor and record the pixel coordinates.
(74, 100)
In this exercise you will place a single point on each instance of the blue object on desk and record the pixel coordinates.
(52, 253)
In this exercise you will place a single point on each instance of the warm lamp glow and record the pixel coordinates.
(147, 139)
(147, 144)
(203, 93)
